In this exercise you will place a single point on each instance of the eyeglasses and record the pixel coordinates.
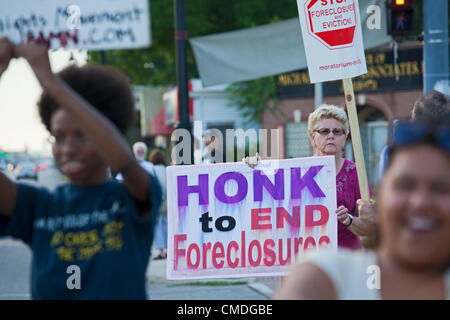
(326, 131)
(406, 133)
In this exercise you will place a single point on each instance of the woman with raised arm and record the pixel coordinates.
(90, 238)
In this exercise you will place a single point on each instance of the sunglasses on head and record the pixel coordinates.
(406, 133)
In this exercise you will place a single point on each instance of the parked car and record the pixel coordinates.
(26, 170)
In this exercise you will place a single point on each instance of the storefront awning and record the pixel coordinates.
(159, 124)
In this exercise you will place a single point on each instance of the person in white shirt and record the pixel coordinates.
(159, 167)
(140, 152)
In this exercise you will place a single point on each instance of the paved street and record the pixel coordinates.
(15, 257)
(15, 260)
(49, 178)
(231, 292)
(159, 288)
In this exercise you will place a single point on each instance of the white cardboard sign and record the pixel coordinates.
(332, 36)
(78, 24)
(228, 220)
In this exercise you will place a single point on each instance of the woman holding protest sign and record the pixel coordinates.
(412, 260)
(328, 130)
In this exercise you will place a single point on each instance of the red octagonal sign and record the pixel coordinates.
(332, 22)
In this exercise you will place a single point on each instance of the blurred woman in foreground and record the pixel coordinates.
(413, 204)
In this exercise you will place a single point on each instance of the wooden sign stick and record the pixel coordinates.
(356, 138)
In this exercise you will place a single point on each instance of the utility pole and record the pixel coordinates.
(182, 72)
(318, 94)
(435, 48)
(102, 57)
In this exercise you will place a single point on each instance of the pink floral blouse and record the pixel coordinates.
(347, 189)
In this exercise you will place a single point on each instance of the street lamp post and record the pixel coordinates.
(102, 57)
(182, 72)
(436, 53)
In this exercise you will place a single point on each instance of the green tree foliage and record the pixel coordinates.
(156, 65)
(254, 97)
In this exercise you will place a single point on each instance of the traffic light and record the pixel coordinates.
(400, 17)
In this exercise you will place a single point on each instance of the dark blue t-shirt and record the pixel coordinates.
(88, 242)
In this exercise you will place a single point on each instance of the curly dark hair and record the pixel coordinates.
(104, 87)
(157, 157)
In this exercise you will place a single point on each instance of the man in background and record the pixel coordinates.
(140, 152)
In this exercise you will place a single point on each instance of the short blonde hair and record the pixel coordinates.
(327, 111)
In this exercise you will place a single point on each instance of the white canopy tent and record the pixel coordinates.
(270, 49)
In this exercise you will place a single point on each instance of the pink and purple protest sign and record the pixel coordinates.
(229, 220)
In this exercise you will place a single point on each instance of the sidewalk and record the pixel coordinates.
(159, 288)
(267, 286)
